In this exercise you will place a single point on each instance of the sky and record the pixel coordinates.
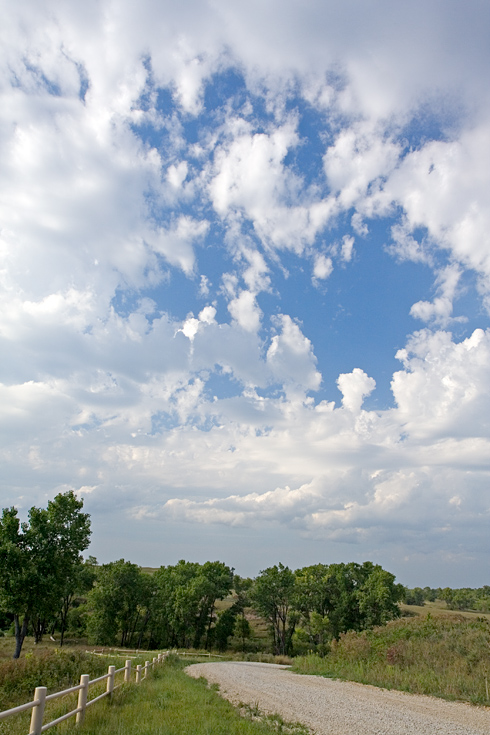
(245, 279)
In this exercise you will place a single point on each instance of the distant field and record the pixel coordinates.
(439, 608)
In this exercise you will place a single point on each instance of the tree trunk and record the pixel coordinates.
(20, 633)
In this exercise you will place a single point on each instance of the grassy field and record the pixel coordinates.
(439, 609)
(446, 656)
(168, 702)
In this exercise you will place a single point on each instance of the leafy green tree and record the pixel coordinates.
(242, 587)
(185, 602)
(414, 596)
(243, 629)
(119, 603)
(273, 596)
(430, 595)
(224, 627)
(340, 597)
(37, 558)
(80, 583)
(378, 597)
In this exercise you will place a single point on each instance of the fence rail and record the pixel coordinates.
(41, 696)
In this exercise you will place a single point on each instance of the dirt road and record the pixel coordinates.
(332, 707)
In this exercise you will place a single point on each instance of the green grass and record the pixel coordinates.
(168, 701)
(447, 656)
(57, 670)
(172, 703)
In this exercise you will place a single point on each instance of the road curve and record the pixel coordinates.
(330, 707)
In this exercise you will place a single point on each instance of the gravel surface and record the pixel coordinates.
(330, 707)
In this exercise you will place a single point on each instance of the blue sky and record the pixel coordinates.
(245, 279)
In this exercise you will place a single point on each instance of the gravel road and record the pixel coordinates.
(330, 707)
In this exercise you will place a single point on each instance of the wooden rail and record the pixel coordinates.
(41, 697)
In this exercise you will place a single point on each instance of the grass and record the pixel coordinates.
(172, 703)
(57, 670)
(440, 609)
(446, 656)
(168, 701)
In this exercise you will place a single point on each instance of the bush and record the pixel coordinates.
(55, 670)
(446, 657)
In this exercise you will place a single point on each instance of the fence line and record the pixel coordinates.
(41, 697)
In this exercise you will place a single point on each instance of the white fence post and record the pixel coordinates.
(127, 673)
(82, 697)
(38, 711)
(110, 680)
(147, 663)
(138, 674)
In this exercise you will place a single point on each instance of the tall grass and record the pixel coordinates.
(56, 670)
(172, 703)
(445, 657)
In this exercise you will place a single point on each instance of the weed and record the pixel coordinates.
(442, 656)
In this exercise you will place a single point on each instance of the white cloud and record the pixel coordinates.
(245, 310)
(111, 175)
(175, 244)
(444, 187)
(250, 179)
(177, 174)
(359, 159)
(441, 309)
(322, 268)
(355, 386)
(347, 248)
(290, 356)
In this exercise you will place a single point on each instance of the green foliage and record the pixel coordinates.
(184, 603)
(173, 703)
(414, 596)
(273, 596)
(120, 603)
(446, 657)
(335, 598)
(38, 558)
(56, 670)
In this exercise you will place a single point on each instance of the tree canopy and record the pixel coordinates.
(37, 558)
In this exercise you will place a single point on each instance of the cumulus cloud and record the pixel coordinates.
(355, 386)
(149, 153)
(322, 268)
(290, 356)
(245, 310)
(440, 310)
(175, 244)
(443, 187)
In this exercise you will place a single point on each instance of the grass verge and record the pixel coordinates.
(56, 670)
(168, 702)
(445, 657)
(172, 703)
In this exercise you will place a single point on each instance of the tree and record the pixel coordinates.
(414, 596)
(120, 603)
(273, 596)
(185, 602)
(79, 583)
(340, 597)
(378, 597)
(37, 558)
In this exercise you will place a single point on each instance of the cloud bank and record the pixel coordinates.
(193, 202)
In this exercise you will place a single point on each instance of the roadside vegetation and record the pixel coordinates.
(168, 701)
(175, 704)
(54, 669)
(446, 656)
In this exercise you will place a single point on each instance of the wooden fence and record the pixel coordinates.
(41, 697)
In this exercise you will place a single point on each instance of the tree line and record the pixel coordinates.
(46, 586)
(465, 598)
